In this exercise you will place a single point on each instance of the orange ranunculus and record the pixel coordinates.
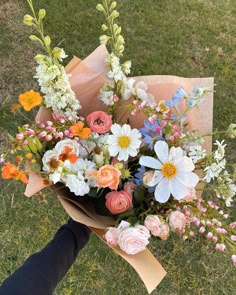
(30, 99)
(11, 171)
(78, 130)
(108, 176)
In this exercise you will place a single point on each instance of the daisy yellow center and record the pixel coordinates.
(124, 141)
(169, 170)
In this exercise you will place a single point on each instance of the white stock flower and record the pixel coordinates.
(106, 96)
(220, 152)
(124, 142)
(138, 90)
(173, 172)
(77, 185)
(214, 170)
(196, 153)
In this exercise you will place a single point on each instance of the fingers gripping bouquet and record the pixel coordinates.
(128, 157)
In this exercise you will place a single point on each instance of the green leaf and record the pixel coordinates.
(139, 195)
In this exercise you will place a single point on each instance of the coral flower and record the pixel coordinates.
(68, 155)
(78, 130)
(30, 99)
(11, 171)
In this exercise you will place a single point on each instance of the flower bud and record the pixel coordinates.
(100, 7)
(104, 27)
(47, 41)
(42, 13)
(28, 20)
(104, 39)
(40, 58)
(113, 5)
(34, 38)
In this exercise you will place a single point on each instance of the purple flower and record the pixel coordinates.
(150, 133)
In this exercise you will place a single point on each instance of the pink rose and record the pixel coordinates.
(177, 220)
(118, 202)
(133, 239)
(165, 230)
(108, 176)
(111, 236)
(129, 187)
(191, 195)
(153, 223)
(99, 122)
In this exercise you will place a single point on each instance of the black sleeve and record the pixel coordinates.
(42, 271)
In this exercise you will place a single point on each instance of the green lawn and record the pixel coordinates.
(187, 38)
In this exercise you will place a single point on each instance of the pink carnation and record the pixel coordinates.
(118, 202)
(99, 122)
(177, 220)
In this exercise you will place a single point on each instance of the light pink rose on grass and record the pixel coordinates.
(118, 202)
(129, 187)
(177, 220)
(99, 122)
(153, 223)
(133, 239)
(191, 195)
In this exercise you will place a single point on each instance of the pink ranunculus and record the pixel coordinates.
(129, 187)
(111, 236)
(99, 122)
(177, 220)
(118, 202)
(108, 176)
(165, 231)
(153, 223)
(133, 239)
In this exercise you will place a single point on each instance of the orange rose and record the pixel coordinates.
(108, 176)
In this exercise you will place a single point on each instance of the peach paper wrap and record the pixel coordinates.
(87, 77)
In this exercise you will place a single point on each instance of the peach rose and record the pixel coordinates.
(177, 220)
(99, 122)
(129, 187)
(108, 176)
(147, 177)
(133, 239)
(118, 202)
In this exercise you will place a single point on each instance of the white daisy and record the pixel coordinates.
(124, 142)
(173, 172)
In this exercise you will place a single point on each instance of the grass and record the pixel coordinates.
(187, 38)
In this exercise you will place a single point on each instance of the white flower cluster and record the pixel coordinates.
(55, 85)
(216, 167)
(196, 153)
(226, 188)
(73, 173)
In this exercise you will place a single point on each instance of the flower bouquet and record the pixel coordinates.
(129, 157)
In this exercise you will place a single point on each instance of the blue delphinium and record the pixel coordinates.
(176, 98)
(150, 134)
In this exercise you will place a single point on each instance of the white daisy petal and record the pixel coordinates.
(150, 162)
(188, 179)
(116, 129)
(161, 149)
(162, 191)
(178, 189)
(125, 130)
(157, 177)
(184, 164)
(175, 153)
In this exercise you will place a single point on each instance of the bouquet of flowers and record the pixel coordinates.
(123, 155)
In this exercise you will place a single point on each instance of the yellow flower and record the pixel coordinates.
(30, 99)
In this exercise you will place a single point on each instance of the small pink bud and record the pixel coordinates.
(233, 238)
(48, 137)
(208, 223)
(185, 238)
(176, 128)
(136, 102)
(220, 247)
(62, 120)
(177, 135)
(49, 123)
(172, 138)
(144, 103)
(214, 239)
(158, 129)
(56, 116)
(19, 136)
(25, 142)
(202, 229)
(150, 119)
(41, 125)
(233, 257)
(154, 117)
(209, 235)
(42, 134)
(30, 132)
(192, 234)
(233, 224)
(163, 123)
(116, 98)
